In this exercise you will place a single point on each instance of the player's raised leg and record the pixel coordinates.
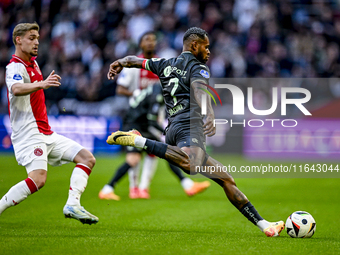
(240, 201)
(187, 158)
(85, 161)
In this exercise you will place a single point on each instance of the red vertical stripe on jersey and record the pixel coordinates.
(39, 111)
(38, 100)
(85, 168)
(31, 185)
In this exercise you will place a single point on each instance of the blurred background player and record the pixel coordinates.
(130, 83)
(142, 115)
(34, 143)
(133, 80)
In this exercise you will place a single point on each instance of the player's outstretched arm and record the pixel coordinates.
(23, 89)
(209, 128)
(129, 61)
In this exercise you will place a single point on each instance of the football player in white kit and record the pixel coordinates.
(129, 84)
(34, 143)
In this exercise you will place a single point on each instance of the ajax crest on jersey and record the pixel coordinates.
(300, 224)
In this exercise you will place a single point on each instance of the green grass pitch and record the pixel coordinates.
(168, 223)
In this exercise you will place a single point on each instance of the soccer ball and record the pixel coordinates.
(300, 224)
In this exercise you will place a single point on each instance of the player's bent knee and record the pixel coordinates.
(91, 161)
(186, 164)
(41, 183)
(39, 177)
(184, 158)
(85, 157)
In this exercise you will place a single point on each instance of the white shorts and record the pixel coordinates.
(53, 149)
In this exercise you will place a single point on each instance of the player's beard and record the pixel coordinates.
(201, 58)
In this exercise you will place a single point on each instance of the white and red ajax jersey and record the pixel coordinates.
(135, 78)
(27, 113)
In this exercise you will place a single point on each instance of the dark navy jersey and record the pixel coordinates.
(176, 76)
(144, 108)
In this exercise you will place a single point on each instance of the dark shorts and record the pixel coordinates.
(185, 134)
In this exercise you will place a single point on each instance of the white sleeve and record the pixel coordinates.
(124, 78)
(127, 78)
(16, 73)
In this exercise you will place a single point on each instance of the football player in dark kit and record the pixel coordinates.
(185, 136)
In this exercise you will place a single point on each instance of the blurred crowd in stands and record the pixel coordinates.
(249, 38)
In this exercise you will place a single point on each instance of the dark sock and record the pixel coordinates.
(249, 211)
(119, 174)
(177, 171)
(155, 148)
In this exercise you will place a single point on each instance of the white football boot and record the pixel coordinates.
(79, 213)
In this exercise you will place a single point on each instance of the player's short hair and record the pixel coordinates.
(145, 34)
(22, 28)
(194, 33)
